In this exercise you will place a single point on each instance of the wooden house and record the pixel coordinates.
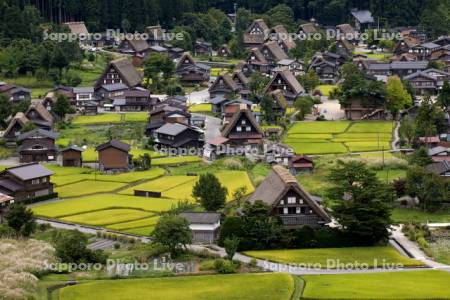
(178, 136)
(344, 48)
(40, 116)
(326, 66)
(307, 29)
(439, 153)
(132, 46)
(156, 35)
(133, 100)
(230, 107)
(256, 62)
(202, 48)
(72, 156)
(301, 164)
(273, 53)
(190, 72)
(26, 182)
(256, 33)
(114, 155)
(15, 126)
(224, 51)
(348, 32)
(204, 226)
(355, 110)
(296, 67)
(224, 85)
(242, 82)
(15, 93)
(120, 71)
(441, 168)
(243, 130)
(279, 104)
(405, 45)
(37, 145)
(285, 81)
(282, 37)
(363, 19)
(289, 200)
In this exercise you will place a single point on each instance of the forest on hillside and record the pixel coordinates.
(102, 14)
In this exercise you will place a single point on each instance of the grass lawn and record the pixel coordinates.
(223, 287)
(404, 215)
(107, 217)
(394, 285)
(100, 202)
(87, 187)
(371, 127)
(175, 160)
(144, 231)
(391, 174)
(367, 146)
(200, 108)
(371, 256)
(325, 89)
(111, 118)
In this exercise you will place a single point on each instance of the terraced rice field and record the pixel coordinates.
(339, 137)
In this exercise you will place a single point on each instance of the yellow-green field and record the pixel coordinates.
(213, 287)
(111, 118)
(339, 137)
(204, 107)
(108, 200)
(330, 257)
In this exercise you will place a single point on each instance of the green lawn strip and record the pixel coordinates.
(175, 160)
(144, 231)
(212, 287)
(391, 285)
(64, 171)
(197, 108)
(318, 148)
(134, 224)
(90, 155)
(108, 217)
(319, 127)
(371, 127)
(299, 286)
(320, 136)
(367, 146)
(372, 256)
(391, 174)
(101, 202)
(405, 215)
(87, 187)
(111, 118)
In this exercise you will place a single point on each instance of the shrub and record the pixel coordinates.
(116, 246)
(225, 267)
(253, 263)
(233, 164)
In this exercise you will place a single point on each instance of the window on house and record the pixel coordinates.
(35, 181)
(282, 202)
(297, 210)
(301, 201)
(243, 122)
(239, 129)
(285, 211)
(291, 200)
(248, 128)
(44, 180)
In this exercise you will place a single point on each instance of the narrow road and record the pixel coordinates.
(212, 127)
(396, 140)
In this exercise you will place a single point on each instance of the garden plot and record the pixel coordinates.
(111, 118)
(161, 184)
(147, 222)
(87, 187)
(339, 137)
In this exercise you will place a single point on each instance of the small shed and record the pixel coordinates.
(114, 155)
(72, 156)
(301, 164)
(204, 226)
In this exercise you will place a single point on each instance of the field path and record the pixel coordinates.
(396, 140)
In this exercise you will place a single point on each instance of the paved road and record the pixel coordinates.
(198, 97)
(212, 128)
(396, 140)
(331, 109)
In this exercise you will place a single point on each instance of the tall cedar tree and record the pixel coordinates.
(362, 206)
(209, 192)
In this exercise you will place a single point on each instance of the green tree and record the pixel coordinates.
(408, 130)
(209, 192)
(310, 80)
(21, 219)
(172, 232)
(71, 247)
(266, 105)
(444, 97)
(159, 68)
(304, 106)
(420, 157)
(62, 106)
(397, 96)
(430, 119)
(362, 206)
(429, 188)
(5, 110)
(231, 245)
(239, 195)
(257, 84)
(59, 60)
